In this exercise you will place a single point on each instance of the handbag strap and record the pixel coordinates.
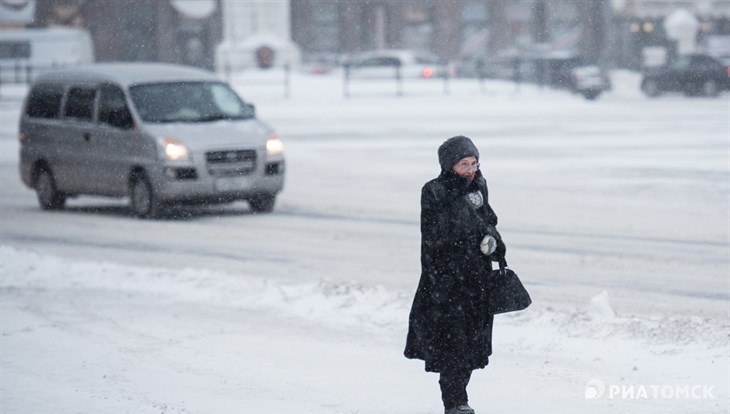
(502, 265)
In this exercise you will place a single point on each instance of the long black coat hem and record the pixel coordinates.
(430, 366)
(449, 325)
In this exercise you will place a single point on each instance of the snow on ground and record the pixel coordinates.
(615, 213)
(100, 337)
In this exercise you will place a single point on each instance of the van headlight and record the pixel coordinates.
(274, 146)
(175, 150)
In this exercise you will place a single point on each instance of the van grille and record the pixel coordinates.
(230, 163)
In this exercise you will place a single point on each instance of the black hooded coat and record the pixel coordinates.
(449, 326)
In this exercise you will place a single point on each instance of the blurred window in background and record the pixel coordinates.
(324, 32)
(419, 26)
(14, 50)
(379, 61)
(474, 31)
(682, 63)
(706, 62)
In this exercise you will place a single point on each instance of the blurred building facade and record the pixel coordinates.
(640, 24)
(612, 31)
(257, 34)
(173, 31)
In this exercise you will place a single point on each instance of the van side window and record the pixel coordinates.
(113, 108)
(80, 103)
(44, 101)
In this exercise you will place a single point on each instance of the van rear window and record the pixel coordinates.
(44, 101)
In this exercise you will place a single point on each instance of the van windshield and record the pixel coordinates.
(188, 102)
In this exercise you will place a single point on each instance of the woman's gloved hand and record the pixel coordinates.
(488, 245)
(492, 244)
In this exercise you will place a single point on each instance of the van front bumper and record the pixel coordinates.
(194, 183)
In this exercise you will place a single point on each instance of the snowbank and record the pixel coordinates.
(127, 317)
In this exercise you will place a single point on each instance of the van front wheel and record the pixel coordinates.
(48, 196)
(142, 198)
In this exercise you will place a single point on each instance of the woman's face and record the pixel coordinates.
(467, 168)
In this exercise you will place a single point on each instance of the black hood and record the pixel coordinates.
(454, 149)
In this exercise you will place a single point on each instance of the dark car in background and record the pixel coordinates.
(557, 70)
(569, 72)
(589, 80)
(693, 74)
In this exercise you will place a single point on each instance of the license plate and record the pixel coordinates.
(232, 184)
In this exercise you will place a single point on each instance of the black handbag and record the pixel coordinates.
(505, 292)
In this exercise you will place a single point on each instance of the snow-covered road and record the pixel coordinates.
(304, 310)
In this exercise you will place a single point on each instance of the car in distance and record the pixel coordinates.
(589, 81)
(558, 70)
(693, 74)
(159, 134)
(393, 62)
(571, 72)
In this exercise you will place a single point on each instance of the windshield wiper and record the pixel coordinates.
(218, 117)
(209, 118)
(161, 120)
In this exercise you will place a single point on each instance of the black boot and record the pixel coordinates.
(460, 409)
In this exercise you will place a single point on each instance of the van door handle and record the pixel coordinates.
(87, 136)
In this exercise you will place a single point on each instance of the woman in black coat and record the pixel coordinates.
(449, 325)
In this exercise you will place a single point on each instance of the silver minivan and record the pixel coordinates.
(159, 134)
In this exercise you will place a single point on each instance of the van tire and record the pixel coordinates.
(49, 198)
(263, 203)
(142, 199)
